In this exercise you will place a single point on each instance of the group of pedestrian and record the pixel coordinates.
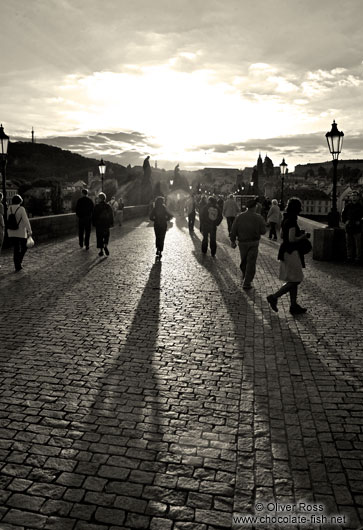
(102, 216)
(246, 227)
(19, 230)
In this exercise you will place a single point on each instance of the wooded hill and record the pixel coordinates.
(28, 162)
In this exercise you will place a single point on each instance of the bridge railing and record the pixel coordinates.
(53, 226)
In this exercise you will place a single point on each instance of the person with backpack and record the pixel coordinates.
(248, 227)
(210, 217)
(19, 229)
(160, 215)
(102, 220)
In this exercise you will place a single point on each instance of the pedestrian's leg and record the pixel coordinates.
(87, 229)
(16, 253)
(213, 241)
(205, 241)
(162, 239)
(350, 246)
(251, 259)
(106, 238)
(358, 246)
(243, 248)
(99, 238)
(273, 233)
(157, 238)
(80, 232)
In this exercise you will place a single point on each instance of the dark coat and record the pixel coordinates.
(102, 215)
(84, 207)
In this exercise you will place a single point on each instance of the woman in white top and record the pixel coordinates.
(19, 236)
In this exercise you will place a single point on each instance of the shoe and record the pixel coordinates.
(247, 287)
(18, 269)
(297, 310)
(80, 246)
(273, 302)
(275, 238)
(87, 248)
(107, 252)
(100, 252)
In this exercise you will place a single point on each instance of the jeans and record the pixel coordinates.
(160, 232)
(210, 232)
(249, 253)
(84, 230)
(191, 221)
(230, 223)
(19, 244)
(272, 233)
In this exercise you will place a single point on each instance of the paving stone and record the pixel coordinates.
(175, 392)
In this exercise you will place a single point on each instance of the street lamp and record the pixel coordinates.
(102, 170)
(4, 140)
(171, 182)
(283, 171)
(335, 144)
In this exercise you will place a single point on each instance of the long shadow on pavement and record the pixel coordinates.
(291, 445)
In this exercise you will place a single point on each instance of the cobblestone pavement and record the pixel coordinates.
(136, 394)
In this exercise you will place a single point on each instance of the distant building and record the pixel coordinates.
(11, 190)
(315, 203)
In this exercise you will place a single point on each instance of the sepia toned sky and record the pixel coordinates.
(195, 82)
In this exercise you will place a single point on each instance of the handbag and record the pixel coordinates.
(30, 242)
(304, 246)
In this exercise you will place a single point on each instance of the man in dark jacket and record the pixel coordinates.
(84, 210)
(248, 228)
(103, 220)
(352, 217)
(210, 218)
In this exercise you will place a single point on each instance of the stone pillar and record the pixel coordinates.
(329, 244)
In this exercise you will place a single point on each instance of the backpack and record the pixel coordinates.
(12, 223)
(212, 213)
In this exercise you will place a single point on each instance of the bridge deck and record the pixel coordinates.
(136, 394)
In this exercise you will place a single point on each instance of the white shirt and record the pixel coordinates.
(24, 228)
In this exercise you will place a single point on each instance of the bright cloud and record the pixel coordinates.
(184, 74)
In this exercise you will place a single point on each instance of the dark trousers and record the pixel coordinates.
(160, 232)
(230, 223)
(102, 236)
(211, 233)
(19, 244)
(272, 233)
(191, 221)
(84, 230)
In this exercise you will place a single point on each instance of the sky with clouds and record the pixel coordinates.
(196, 82)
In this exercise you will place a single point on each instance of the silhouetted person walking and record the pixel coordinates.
(160, 215)
(19, 233)
(210, 218)
(230, 211)
(84, 211)
(291, 256)
(248, 228)
(103, 220)
(352, 217)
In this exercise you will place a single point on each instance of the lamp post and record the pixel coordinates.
(171, 183)
(283, 170)
(335, 144)
(4, 140)
(102, 170)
